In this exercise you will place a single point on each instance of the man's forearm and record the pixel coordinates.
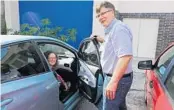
(120, 68)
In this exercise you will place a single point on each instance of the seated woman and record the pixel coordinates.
(53, 61)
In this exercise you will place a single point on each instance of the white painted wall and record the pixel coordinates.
(134, 25)
(12, 15)
(148, 38)
(133, 7)
(145, 32)
(146, 6)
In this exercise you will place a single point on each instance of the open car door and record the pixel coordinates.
(90, 73)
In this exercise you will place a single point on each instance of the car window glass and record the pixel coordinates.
(164, 61)
(18, 61)
(170, 83)
(89, 54)
(56, 49)
(66, 58)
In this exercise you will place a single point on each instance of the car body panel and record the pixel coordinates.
(156, 93)
(36, 87)
(73, 101)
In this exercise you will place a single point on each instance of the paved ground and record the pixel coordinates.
(135, 98)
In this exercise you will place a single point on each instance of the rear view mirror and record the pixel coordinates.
(145, 65)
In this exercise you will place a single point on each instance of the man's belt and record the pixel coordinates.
(125, 75)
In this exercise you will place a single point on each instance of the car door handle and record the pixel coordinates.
(84, 79)
(151, 84)
(6, 102)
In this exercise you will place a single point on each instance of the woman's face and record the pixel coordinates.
(52, 59)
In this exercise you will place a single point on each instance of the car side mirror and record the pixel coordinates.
(92, 57)
(145, 65)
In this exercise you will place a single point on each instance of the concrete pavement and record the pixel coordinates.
(135, 98)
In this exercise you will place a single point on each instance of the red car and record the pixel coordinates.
(159, 86)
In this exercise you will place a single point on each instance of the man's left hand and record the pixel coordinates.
(111, 90)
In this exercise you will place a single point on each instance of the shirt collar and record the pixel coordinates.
(108, 29)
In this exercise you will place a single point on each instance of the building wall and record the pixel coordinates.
(145, 32)
(146, 6)
(81, 14)
(162, 10)
(12, 15)
(165, 30)
(67, 14)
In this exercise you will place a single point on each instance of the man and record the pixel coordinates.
(116, 58)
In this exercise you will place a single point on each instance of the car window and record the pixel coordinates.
(164, 61)
(170, 83)
(19, 60)
(56, 49)
(89, 53)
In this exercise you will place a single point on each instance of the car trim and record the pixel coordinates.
(51, 41)
(157, 59)
(43, 60)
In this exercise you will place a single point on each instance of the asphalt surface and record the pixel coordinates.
(135, 98)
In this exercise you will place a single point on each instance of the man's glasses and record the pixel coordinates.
(103, 13)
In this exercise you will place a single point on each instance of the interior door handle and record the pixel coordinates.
(6, 102)
(84, 79)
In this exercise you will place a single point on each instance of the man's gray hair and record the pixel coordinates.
(105, 4)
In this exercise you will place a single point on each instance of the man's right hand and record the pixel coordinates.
(99, 38)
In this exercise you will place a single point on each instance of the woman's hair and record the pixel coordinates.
(47, 55)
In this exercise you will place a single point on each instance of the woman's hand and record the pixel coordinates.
(67, 86)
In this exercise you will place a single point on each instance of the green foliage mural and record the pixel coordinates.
(46, 30)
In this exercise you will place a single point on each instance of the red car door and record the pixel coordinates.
(156, 76)
(159, 98)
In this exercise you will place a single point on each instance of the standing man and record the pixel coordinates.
(116, 58)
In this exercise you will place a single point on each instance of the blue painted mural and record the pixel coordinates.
(67, 14)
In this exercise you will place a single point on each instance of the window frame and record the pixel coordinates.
(38, 53)
(164, 76)
(81, 50)
(37, 42)
(58, 43)
(169, 75)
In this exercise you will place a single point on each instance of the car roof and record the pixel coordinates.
(6, 39)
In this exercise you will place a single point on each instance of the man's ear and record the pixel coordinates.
(114, 13)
